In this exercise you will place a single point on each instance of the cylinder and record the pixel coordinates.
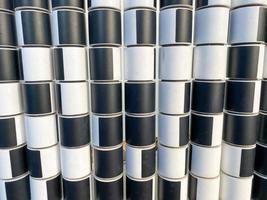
(13, 162)
(240, 129)
(33, 4)
(11, 99)
(242, 96)
(140, 162)
(70, 63)
(104, 27)
(69, 4)
(239, 3)
(46, 188)
(73, 98)
(140, 130)
(165, 4)
(205, 161)
(106, 97)
(41, 131)
(105, 63)
(108, 163)
(74, 131)
(107, 130)
(33, 28)
(174, 97)
(115, 4)
(210, 3)
(172, 188)
(206, 130)
(263, 101)
(17, 188)
(259, 187)
(235, 188)
(140, 97)
(108, 189)
(203, 188)
(9, 65)
(39, 98)
(238, 161)
(75, 162)
(78, 188)
(140, 27)
(36, 63)
(247, 25)
(139, 63)
(8, 29)
(172, 162)
(128, 4)
(172, 56)
(242, 57)
(261, 159)
(44, 163)
(68, 27)
(208, 97)
(140, 188)
(210, 62)
(173, 130)
(175, 26)
(12, 131)
(262, 137)
(211, 25)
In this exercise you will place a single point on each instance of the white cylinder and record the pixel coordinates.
(211, 25)
(205, 161)
(174, 97)
(75, 162)
(41, 131)
(103, 3)
(37, 63)
(73, 98)
(128, 4)
(175, 62)
(172, 162)
(11, 99)
(237, 3)
(139, 63)
(235, 188)
(210, 62)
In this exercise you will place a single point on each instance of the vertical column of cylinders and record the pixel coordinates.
(209, 73)
(140, 90)
(13, 160)
(175, 73)
(105, 40)
(247, 36)
(72, 88)
(35, 54)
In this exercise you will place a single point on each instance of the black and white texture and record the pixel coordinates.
(141, 161)
(44, 163)
(203, 188)
(165, 4)
(13, 162)
(18, 188)
(46, 188)
(238, 161)
(12, 131)
(70, 63)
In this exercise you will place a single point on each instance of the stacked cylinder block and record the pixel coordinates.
(35, 54)
(209, 73)
(140, 98)
(105, 38)
(242, 100)
(72, 91)
(13, 159)
(175, 73)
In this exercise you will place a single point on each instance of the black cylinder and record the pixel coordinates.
(40, 4)
(259, 191)
(7, 29)
(77, 4)
(9, 66)
(261, 160)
